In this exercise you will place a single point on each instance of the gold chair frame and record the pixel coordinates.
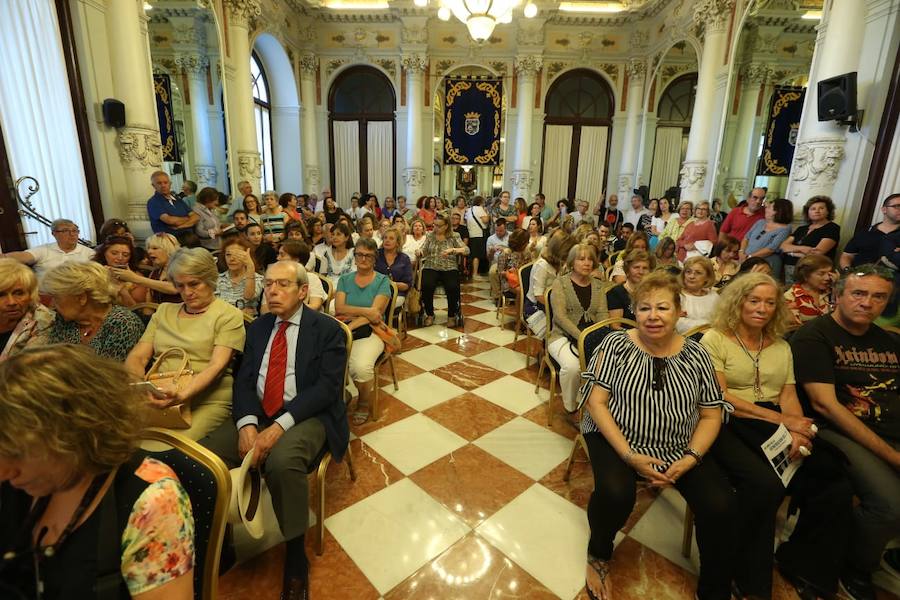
(386, 357)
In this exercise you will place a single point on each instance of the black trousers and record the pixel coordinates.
(450, 281)
(707, 492)
(819, 489)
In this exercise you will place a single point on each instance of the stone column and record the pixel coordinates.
(414, 174)
(626, 182)
(140, 149)
(713, 15)
(244, 155)
(527, 67)
(309, 66)
(203, 168)
(820, 145)
(745, 145)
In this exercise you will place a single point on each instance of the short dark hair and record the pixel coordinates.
(191, 185)
(297, 250)
(889, 198)
(628, 225)
(285, 199)
(500, 221)
(207, 194)
(540, 195)
(809, 264)
(518, 240)
(784, 211)
(238, 211)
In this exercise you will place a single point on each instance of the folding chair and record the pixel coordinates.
(385, 357)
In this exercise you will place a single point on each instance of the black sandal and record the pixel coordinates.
(601, 568)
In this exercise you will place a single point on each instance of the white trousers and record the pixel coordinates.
(569, 371)
(363, 355)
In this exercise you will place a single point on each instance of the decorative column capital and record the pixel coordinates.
(693, 177)
(311, 177)
(735, 186)
(249, 164)
(241, 12)
(414, 64)
(756, 73)
(192, 64)
(309, 64)
(712, 14)
(139, 147)
(414, 176)
(529, 66)
(816, 162)
(635, 68)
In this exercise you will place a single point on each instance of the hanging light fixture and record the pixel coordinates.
(481, 16)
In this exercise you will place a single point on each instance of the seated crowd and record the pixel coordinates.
(723, 330)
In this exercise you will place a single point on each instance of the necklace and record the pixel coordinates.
(757, 385)
(199, 312)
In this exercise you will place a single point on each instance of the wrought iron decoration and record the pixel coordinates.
(27, 209)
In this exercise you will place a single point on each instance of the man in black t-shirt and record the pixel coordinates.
(848, 369)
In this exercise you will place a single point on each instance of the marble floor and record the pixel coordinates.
(459, 491)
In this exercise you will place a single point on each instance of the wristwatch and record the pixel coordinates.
(691, 452)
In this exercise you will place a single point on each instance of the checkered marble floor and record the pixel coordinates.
(459, 491)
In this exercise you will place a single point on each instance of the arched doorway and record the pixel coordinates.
(577, 127)
(362, 134)
(676, 106)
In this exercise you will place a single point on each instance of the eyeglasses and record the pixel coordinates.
(282, 283)
(364, 255)
(659, 374)
(865, 270)
(75, 230)
(892, 206)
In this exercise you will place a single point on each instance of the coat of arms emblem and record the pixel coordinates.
(473, 122)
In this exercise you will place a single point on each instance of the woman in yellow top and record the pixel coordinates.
(676, 226)
(755, 369)
(209, 329)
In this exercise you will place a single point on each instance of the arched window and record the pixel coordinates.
(577, 130)
(362, 134)
(262, 115)
(676, 105)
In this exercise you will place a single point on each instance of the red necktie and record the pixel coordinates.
(273, 394)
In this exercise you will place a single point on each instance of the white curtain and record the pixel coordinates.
(557, 149)
(346, 161)
(380, 158)
(591, 164)
(36, 116)
(666, 160)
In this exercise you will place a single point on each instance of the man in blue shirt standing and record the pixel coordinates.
(168, 214)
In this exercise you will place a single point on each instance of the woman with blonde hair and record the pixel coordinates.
(579, 301)
(83, 296)
(637, 241)
(24, 321)
(160, 247)
(698, 299)
(754, 368)
(545, 270)
(207, 328)
(70, 429)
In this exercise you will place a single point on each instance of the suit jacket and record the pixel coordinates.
(318, 367)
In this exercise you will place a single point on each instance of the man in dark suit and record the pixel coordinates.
(287, 404)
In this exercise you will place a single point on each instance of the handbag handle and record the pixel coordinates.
(158, 362)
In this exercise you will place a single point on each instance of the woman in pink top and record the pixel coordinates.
(701, 228)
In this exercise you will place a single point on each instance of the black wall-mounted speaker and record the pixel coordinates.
(837, 98)
(113, 113)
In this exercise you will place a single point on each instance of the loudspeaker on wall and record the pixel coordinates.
(837, 98)
(113, 113)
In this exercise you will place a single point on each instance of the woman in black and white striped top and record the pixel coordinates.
(654, 408)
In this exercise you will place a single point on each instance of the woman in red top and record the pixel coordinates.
(810, 296)
(428, 211)
(521, 211)
(701, 228)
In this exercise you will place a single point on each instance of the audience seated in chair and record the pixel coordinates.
(84, 510)
(698, 299)
(288, 405)
(24, 321)
(209, 330)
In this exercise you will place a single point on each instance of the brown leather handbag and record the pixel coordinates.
(177, 416)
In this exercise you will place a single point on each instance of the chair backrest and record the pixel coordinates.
(329, 292)
(326, 284)
(892, 329)
(318, 264)
(349, 335)
(590, 338)
(548, 310)
(524, 281)
(208, 483)
(695, 333)
(389, 313)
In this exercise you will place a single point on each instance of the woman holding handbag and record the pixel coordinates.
(510, 259)
(754, 366)
(208, 329)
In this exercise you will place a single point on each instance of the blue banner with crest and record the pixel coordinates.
(781, 131)
(472, 119)
(162, 88)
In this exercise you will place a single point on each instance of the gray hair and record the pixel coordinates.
(194, 262)
(60, 222)
(156, 174)
(367, 244)
(74, 278)
(300, 274)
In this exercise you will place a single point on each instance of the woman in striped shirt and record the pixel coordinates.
(654, 409)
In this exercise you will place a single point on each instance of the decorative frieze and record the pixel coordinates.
(205, 175)
(249, 164)
(140, 147)
(817, 161)
(693, 175)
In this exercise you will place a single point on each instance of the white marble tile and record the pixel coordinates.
(661, 527)
(502, 359)
(413, 442)
(489, 317)
(435, 334)
(526, 446)
(544, 534)
(424, 390)
(513, 394)
(494, 335)
(485, 304)
(431, 357)
(394, 532)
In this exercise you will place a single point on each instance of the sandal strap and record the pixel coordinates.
(601, 567)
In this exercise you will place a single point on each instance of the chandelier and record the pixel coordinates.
(481, 16)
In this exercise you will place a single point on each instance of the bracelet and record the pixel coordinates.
(628, 456)
(693, 453)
